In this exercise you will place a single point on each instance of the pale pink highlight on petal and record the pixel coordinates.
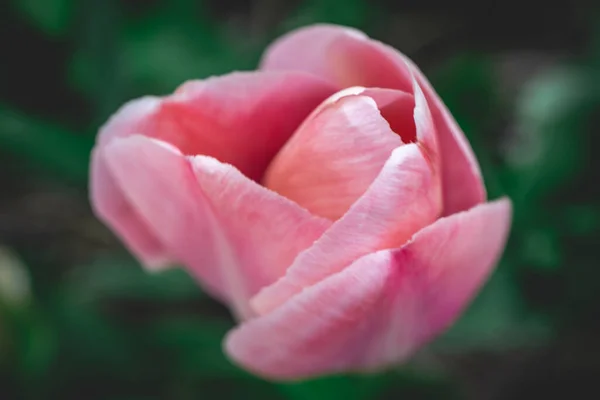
(463, 184)
(265, 231)
(111, 206)
(383, 307)
(347, 57)
(158, 183)
(334, 157)
(426, 130)
(403, 199)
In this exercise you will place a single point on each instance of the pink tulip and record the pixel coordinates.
(329, 198)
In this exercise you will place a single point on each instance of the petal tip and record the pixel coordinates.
(128, 117)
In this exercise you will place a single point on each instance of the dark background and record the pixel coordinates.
(80, 320)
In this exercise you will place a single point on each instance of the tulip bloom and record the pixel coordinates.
(328, 198)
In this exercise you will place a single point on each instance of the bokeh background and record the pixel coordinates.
(80, 319)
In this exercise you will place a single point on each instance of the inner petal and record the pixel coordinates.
(339, 150)
(398, 109)
(348, 57)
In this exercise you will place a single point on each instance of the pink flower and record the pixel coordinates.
(329, 198)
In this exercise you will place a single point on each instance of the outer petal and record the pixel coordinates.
(114, 209)
(242, 118)
(347, 57)
(265, 231)
(379, 310)
(211, 218)
(107, 199)
(335, 156)
(462, 181)
(342, 55)
(160, 188)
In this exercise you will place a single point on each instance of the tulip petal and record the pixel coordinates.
(242, 118)
(342, 55)
(403, 199)
(334, 156)
(462, 181)
(347, 57)
(111, 206)
(314, 332)
(383, 307)
(232, 234)
(159, 185)
(266, 231)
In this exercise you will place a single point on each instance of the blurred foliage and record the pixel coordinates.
(80, 319)
(49, 16)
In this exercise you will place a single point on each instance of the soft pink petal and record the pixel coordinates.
(314, 333)
(134, 117)
(409, 116)
(398, 110)
(265, 231)
(334, 156)
(242, 118)
(382, 308)
(160, 187)
(339, 54)
(111, 206)
(462, 181)
(347, 57)
(232, 234)
(403, 199)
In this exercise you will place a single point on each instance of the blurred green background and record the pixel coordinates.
(78, 317)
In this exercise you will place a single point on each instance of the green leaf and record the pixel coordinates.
(123, 278)
(15, 285)
(96, 68)
(542, 249)
(160, 49)
(552, 110)
(90, 336)
(497, 319)
(192, 345)
(37, 346)
(45, 144)
(50, 16)
(402, 382)
(346, 387)
(344, 12)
